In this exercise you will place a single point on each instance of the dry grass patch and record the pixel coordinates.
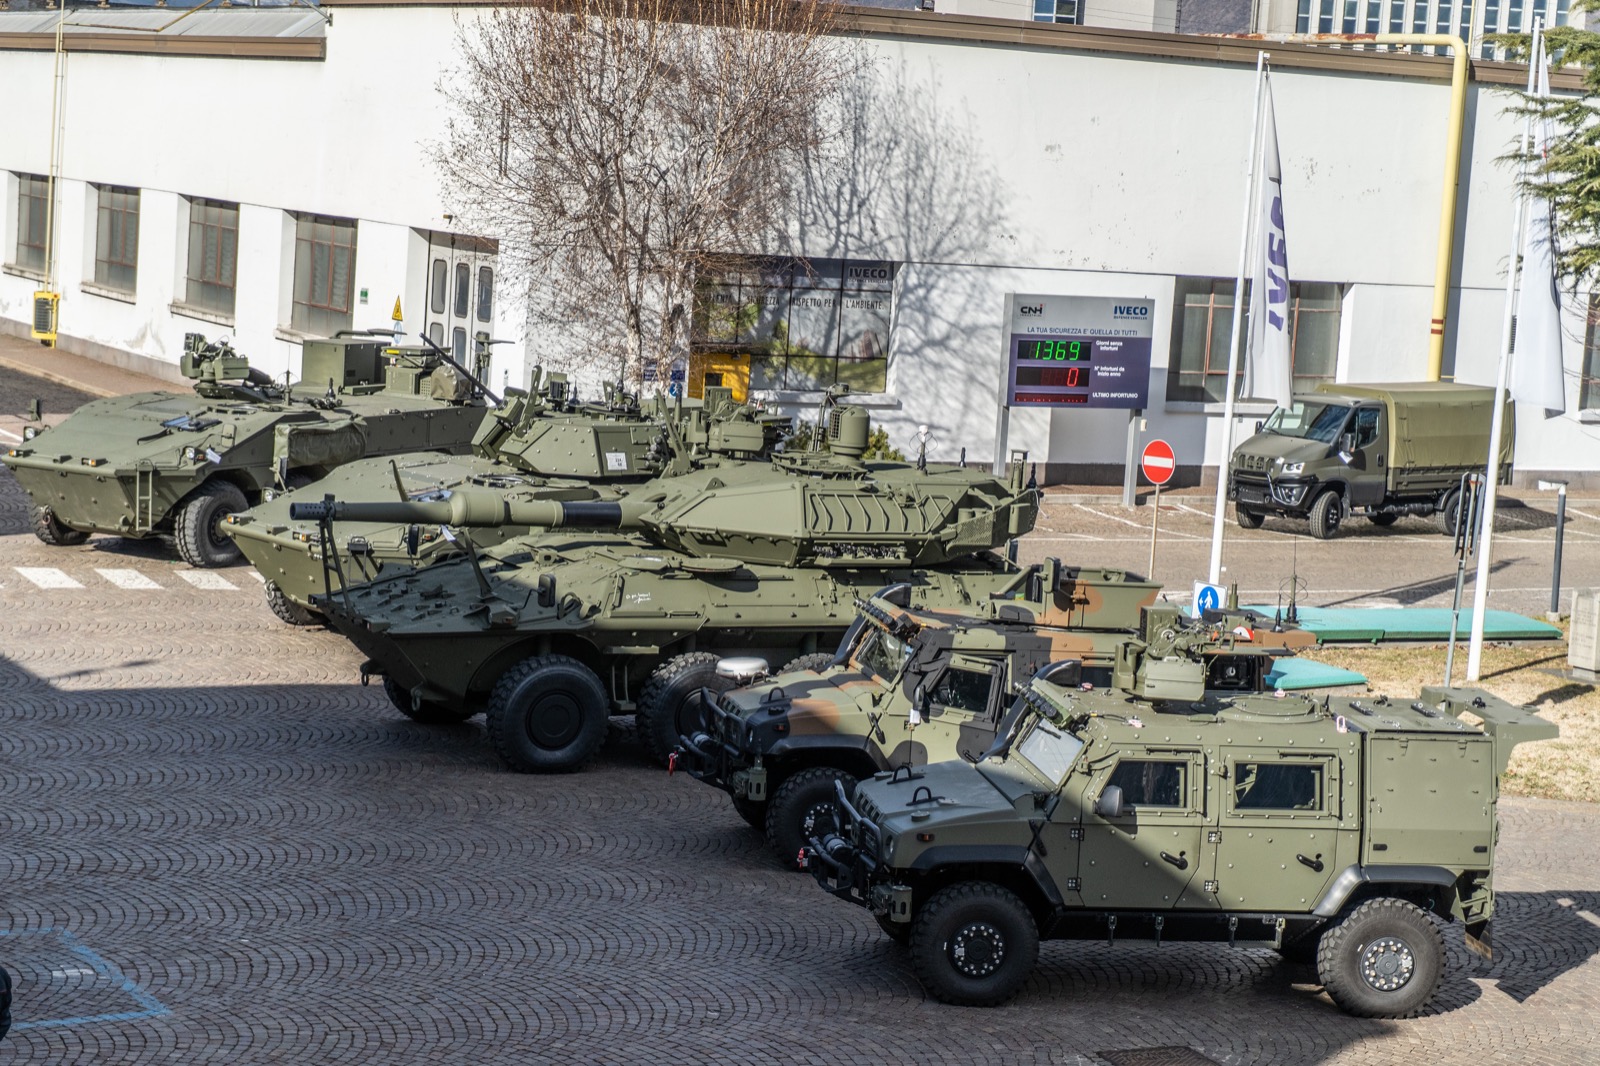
(1531, 674)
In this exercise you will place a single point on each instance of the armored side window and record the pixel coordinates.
(1151, 782)
(965, 690)
(881, 654)
(1264, 786)
(1366, 426)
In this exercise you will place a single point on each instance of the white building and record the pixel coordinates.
(274, 171)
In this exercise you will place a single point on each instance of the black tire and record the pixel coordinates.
(973, 944)
(666, 707)
(1383, 521)
(1326, 512)
(754, 812)
(1447, 512)
(798, 809)
(1248, 519)
(1383, 960)
(548, 714)
(816, 662)
(899, 932)
(429, 713)
(289, 611)
(198, 526)
(54, 532)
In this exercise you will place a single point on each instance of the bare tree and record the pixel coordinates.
(621, 149)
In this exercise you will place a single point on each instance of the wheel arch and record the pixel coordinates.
(1014, 868)
(1433, 888)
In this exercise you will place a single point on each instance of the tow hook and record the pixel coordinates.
(672, 764)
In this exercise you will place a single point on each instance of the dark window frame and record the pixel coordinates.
(1218, 305)
(33, 221)
(323, 309)
(217, 222)
(115, 219)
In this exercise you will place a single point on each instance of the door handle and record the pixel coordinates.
(1315, 864)
(1177, 860)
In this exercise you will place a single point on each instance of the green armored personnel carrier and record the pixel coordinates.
(531, 446)
(909, 687)
(161, 462)
(629, 605)
(1159, 810)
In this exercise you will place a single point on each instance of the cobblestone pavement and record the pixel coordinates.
(218, 848)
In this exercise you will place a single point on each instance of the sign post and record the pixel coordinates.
(1073, 351)
(1158, 463)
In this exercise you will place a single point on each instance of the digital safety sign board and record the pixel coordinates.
(1078, 351)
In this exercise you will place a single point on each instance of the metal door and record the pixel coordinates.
(1145, 858)
(459, 301)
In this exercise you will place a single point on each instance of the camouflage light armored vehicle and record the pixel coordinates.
(549, 633)
(162, 462)
(529, 447)
(1159, 810)
(913, 687)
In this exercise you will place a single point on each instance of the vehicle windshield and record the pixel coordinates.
(1308, 421)
(1049, 750)
(881, 653)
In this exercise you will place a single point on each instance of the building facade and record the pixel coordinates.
(278, 185)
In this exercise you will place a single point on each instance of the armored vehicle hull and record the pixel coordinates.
(1338, 838)
(549, 633)
(157, 463)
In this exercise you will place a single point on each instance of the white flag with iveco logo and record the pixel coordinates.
(1536, 366)
(1267, 373)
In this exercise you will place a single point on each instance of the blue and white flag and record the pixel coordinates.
(1268, 373)
(1536, 367)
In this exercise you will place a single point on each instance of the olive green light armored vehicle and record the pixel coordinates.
(551, 632)
(161, 462)
(529, 447)
(913, 687)
(1161, 811)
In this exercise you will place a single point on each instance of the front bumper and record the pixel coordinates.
(845, 863)
(1274, 494)
(715, 753)
(92, 499)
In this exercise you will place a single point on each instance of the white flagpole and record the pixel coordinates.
(1480, 582)
(1238, 320)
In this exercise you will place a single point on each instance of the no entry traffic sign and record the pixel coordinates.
(1158, 462)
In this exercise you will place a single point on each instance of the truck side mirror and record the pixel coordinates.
(1347, 442)
(1109, 805)
(1259, 424)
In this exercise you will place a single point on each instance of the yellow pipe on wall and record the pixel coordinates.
(1452, 160)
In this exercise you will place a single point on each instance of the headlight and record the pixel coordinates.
(189, 454)
(30, 433)
(1292, 468)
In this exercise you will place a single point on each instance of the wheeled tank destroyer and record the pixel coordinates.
(908, 687)
(1342, 834)
(532, 446)
(163, 462)
(629, 605)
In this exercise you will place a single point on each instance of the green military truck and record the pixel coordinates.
(1382, 451)
(1158, 810)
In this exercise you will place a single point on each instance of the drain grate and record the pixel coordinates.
(1156, 1056)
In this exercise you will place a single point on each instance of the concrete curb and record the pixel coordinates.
(59, 379)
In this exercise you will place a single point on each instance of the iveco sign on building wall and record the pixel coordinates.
(277, 184)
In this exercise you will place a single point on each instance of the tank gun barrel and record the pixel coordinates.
(476, 508)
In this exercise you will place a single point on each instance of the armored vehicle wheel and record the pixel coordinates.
(198, 524)
(752, 811)
(1248, 519)
(287, 610)
(803, 806)
(1383, 520)
(548, 714)
(899, 932)
(429, 713)
(50, 529)
(1382, 960)
(816, 662)
(973, 944)
(1326, 512)
(666, 709)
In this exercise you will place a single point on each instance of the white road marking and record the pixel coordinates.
(48, 577)
(12, 435)
(127, 579)
(258, 576)
(1135, 525)
(205, 579)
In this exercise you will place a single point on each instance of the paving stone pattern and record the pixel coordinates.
(274, 867)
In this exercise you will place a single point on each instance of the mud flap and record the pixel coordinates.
(1479, 941)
